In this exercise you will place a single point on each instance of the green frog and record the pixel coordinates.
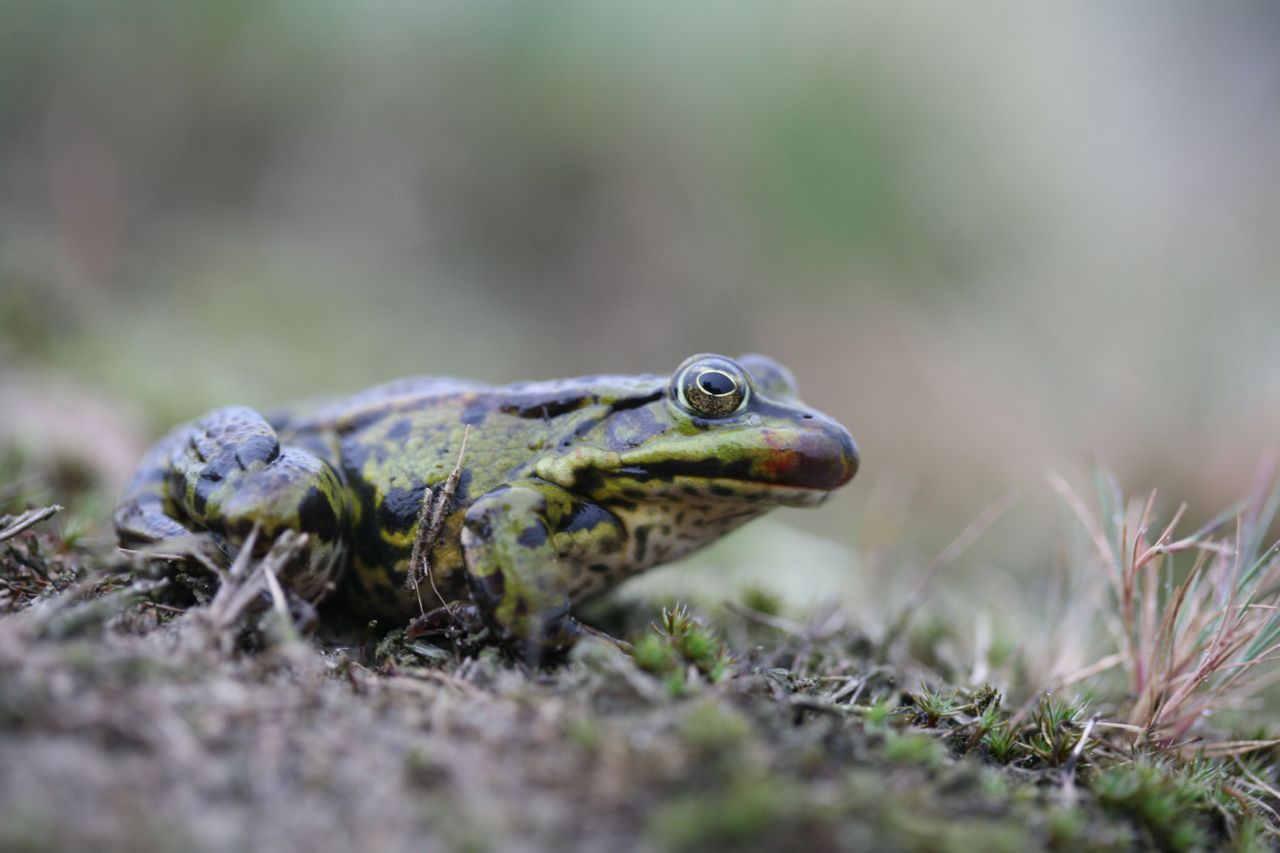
(563, 488)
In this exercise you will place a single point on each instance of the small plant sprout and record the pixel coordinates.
(697, 644)
(682, 644)
(1196, 619)
(1056, 722)
(933, 705)
(1000, 740)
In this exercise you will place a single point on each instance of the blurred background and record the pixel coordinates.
(992, 241)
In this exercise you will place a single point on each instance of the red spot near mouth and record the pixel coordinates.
(822, 457)
(781, 463)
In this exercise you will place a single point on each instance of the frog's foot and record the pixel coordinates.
(227, 473)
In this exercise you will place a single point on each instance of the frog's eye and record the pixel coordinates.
(712, 388)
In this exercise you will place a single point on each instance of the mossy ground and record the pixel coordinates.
(131, 718)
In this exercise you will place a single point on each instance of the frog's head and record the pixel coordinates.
(718, 431)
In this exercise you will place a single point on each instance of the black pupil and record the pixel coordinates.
(716, 384)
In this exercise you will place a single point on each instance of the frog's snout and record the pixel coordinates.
(824, 456)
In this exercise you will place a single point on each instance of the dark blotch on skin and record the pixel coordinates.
(641, 536)
(360, 421)
(259, 448)
(399, 509)
(366, 539)
(547, 409)
(399, 431)
(598, 568)
(587, 481)
(636, 402)
(587, 516)
(355, 455)
(315, 515)
(220, 467)
(240, 530)
(210, 479)
(632, 429)
(474, 414)
(463, 489)
(533, 536)
(707, 469)
(480, 527)
(488, 590)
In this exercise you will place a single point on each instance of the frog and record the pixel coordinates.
(546, 493)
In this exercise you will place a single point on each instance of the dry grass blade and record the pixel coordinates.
(1231, 748)
(946, 557)
(244, 583)
(1198, 646)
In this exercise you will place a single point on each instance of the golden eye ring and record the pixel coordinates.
(712, 388)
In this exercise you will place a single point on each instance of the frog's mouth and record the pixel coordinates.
(664, 484)
(800, 468)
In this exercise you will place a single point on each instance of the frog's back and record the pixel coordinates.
(336, 414)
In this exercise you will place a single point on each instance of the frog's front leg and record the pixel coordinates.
(226, 473)
(514, 569)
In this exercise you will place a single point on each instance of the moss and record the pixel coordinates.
(761, 600)
(739, 815)
(712, 726)
(911, 748)
(1165, 807)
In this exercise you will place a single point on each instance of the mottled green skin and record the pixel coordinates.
(566, 487)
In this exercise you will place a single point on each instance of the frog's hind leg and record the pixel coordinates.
(225, 474)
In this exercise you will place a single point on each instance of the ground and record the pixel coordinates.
(146, 705)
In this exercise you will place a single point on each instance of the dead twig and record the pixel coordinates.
(430, 523)
(1069, 769)
(27, 519)
(239, 586)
